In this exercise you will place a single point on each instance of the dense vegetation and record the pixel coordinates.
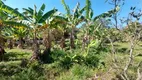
(50, 46)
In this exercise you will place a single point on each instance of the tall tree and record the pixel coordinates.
(90, 20)
(9, 16)
(17, 33)
(35, 20)
(74, 18)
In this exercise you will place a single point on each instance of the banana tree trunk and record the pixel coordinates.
(20, 45)
(2, 42)
(83, 43)
(62, 43)
(49, 41)
(72, 45)
(36, 52)
(46, 53)
(10, 44)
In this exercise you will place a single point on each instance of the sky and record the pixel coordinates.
(98, 6)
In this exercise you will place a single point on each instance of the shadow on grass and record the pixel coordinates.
(9, 70)
(15, 56)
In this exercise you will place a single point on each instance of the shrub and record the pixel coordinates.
(78, 59)
(56, 55)
(91, 60)
(66, 62)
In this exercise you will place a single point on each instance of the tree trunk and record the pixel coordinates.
(36, 52)
(49, 40)
(62, 43)
(10, 44)
(20, 44)
(2, 40)
(46, 54)
(2, 51)
(85, 41)
(72, 45)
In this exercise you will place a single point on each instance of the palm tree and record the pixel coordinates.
(73, 19)
(17, 33)
(9, 16)
(60, 23)
(93, 23)
(35, 20)
(13, 12)
(1, 26)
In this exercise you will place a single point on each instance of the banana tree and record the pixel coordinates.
(9, 16)
(93, 24)
(48, 37)
(17, 33)
(11, 11)
(35, 20)
(90, 20)
(73, 19)
(60, 23)
(1, 26)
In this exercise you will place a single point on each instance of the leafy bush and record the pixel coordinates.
(78, 59)
(66, 62)
(57, 55)
(92, 60)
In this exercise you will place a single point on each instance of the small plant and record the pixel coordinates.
(57, 54)
(92, 60)
(81, 71)
(66, 62)
(77, 72)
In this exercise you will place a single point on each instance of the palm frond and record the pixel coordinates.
(47, 15)
(107, 14)
(82, 10)
(76, 11)
(11, 11)
(12, 23)
(91, 14)
(66, 8)
(87, 8)
(28, 11)
(41, 10)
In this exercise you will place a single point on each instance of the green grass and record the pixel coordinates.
(77, 72)
(14, 56)
(11, 64)
(10, 68)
